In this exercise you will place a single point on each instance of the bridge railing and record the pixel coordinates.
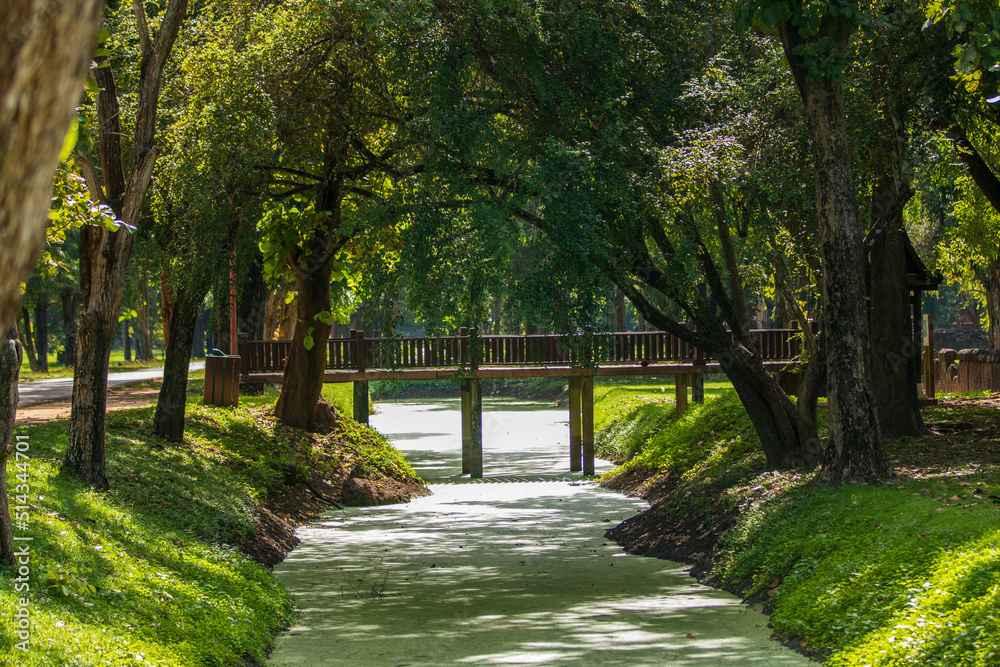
(360, 353)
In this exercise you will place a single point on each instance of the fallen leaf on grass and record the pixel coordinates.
(690, 636)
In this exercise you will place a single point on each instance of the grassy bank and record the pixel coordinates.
(905, 573)
(147, 574)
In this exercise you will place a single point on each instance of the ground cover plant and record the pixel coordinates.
(904, 573)
(146, 574)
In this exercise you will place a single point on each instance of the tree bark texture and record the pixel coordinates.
(168, 420)
(44, 55)
(42, 335)
(895, 356)
(990, 279)
(302, 384)
(145, 325)
(10, 368)
(855, 451)
(104, 254)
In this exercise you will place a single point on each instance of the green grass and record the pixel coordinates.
(167, 588)
(57, 370)
(906, 573)
(628, 412)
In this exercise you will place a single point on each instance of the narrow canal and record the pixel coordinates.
(512, 569)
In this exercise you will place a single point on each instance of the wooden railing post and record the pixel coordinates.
(243, 350)
(360, 353)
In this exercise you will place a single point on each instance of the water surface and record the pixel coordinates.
(513, 569)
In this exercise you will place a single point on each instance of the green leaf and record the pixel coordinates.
(308, 341)
(69, 141)
(91, 85)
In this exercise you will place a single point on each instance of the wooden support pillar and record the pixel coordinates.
(698, 387)
(587, 422)
(466, 426)
(361, 402)
(681, 394)
(929, 379)
(575, 425)
(475, 428)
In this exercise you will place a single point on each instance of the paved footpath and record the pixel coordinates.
(61, 389)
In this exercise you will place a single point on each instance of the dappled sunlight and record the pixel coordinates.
(492, 572)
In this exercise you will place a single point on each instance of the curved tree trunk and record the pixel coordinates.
(10, 368)
(788, 436)
(168, 421)
(303, 381)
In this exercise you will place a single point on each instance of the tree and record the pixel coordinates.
(572, 123)
(43, 61)
(104, 254)
(338, 115)
(815, 38)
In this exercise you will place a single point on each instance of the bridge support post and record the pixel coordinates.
(475, 428)
(466, 426)
(698, 387)
(681, 394)
(361, 402)
(587, 422)
(575, 425)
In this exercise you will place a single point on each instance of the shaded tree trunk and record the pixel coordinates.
(621, 314)
(251, 310)
(71, 311)
(127, 338)
(990, 278)
(27, 339)
(895, 356)
(10, 368)
(855, 451)
(198, 341)
(168, 420)
(145, 351)
(42, 335)
(44, 56)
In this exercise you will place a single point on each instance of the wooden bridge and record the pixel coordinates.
(470, 358)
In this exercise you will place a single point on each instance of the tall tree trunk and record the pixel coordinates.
(104, 254)
(10, 368)
(251, 309)
(145, 326)
(168, 420)
(621, 314)
(44, 55)
(127, 338)
(895, 356)
(71, 311)
(166, 308)
(198, 341)
(855, 451)
(303, 381)
(990, 279)
(28, 339)
(42, 334)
